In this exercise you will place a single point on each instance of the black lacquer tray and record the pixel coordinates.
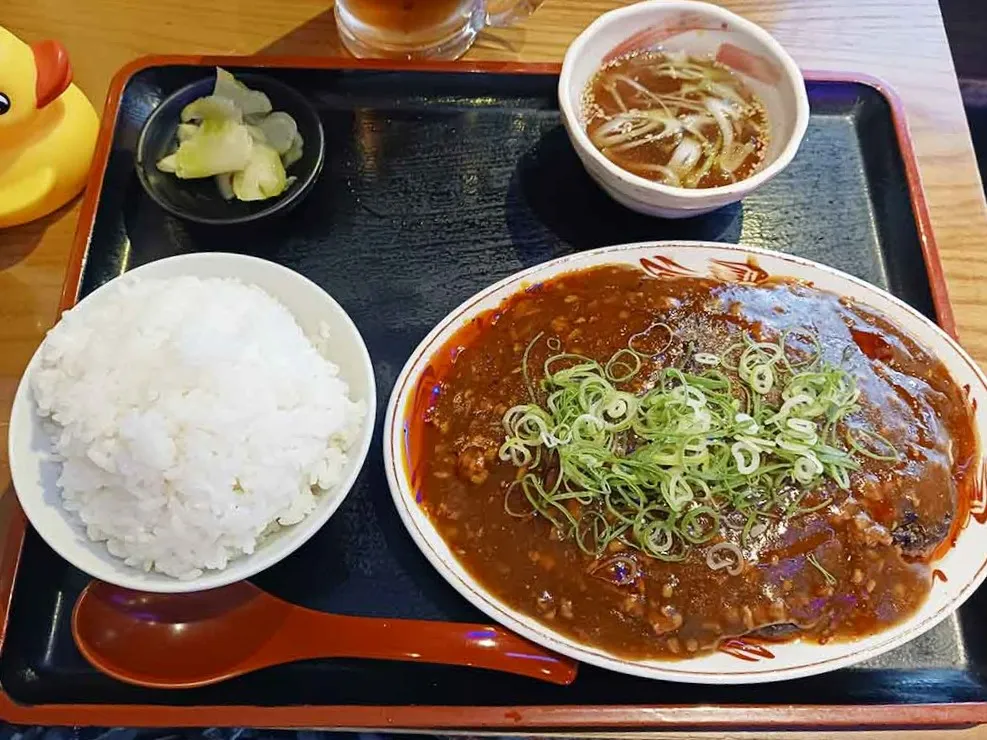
(438, 182)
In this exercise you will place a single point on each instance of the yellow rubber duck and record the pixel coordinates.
(47, 130)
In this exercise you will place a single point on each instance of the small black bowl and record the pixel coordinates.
(200, 200)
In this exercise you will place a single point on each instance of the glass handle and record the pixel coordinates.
(501, 13)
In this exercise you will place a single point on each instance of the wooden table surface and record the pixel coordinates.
(901, 41)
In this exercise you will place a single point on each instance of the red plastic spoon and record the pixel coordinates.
(186, 640)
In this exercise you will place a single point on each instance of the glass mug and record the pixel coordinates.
(421, 29)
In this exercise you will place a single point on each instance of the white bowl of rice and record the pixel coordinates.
(192, 422)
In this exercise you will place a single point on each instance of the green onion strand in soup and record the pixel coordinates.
(683, 121)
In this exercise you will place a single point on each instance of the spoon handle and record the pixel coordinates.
(310, 634)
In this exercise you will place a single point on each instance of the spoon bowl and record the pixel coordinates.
(197, 639)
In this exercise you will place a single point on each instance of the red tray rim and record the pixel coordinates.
(637, 717)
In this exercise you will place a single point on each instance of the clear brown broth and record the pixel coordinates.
(632, 82)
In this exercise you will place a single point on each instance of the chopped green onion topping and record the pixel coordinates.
(827, 576)
(664, 470)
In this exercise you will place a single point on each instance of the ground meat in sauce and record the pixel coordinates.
(875, 540)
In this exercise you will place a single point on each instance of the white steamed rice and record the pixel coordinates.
(192, 417)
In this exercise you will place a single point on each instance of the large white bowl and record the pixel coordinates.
(702, 30)
(965, 564)
(35, 476)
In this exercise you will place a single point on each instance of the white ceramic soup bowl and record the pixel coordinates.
(965, 564)
(705, 31)
(35, 475)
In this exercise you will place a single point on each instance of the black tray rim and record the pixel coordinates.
(593, 717)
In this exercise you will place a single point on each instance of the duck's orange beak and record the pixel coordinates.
(54, 72)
